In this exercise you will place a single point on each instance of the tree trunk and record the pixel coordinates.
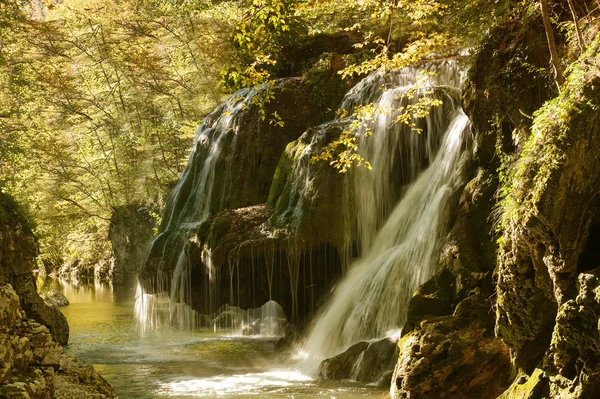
(558, 74)
(577, 30)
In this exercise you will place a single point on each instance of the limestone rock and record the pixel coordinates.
(18, 250)
(76, 379)
(454, 356)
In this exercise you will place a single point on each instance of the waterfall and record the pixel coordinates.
(399, 242)
(393, 218)
(189, 205)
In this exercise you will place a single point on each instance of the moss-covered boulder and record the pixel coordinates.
(244, 261)
(233, 164)
(309, 199)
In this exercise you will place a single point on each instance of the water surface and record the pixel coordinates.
(174, 364)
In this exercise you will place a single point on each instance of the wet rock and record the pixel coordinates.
(55, 299)
(249, 151)
(369, 362)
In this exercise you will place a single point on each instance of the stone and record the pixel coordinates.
(76, 379)
(55, 299)
(368, 362)
(131, 230)
(18, 250)
(455, 356)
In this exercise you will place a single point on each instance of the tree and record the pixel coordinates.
(558, 74)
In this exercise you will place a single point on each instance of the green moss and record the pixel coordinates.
(11, 212)
(326, 87)
(214, 229)
(545, 151)
(530, 389)
(281, 185)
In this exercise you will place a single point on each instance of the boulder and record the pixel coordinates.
(55, 299)
(455, 356)
(368, 362)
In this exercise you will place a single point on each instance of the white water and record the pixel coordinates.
(399, 242)
(401, 248)
(189, 205)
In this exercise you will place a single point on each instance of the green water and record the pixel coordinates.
(182, 365)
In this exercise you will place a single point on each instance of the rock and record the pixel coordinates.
(55, 299)
(369, 362)
(79, 380)
(18, 250)
(454, 356)
(548, 215)
(32, 365)
(528, 387)
(249, 152)
(131, 230)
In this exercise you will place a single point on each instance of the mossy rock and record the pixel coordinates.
(455, 356)
(528, 387)
(11, 212)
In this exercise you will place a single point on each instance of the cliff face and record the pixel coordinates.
(517, 295)
(130, 233)
(32, 364)
(548, 260)
(18, 250)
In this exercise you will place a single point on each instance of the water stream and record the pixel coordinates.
(181, 364)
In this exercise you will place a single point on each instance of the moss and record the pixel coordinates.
(281, 187)
(526, 387)
(326, 87)
(283, 171)
(545, 151)
(11, 212)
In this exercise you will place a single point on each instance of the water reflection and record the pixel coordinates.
(178, 364)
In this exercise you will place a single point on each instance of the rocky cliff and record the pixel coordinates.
(513, 311)
(32, 363)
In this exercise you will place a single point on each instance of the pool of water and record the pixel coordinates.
(182, 365)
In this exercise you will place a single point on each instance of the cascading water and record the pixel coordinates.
(190, 204)
(399, 244)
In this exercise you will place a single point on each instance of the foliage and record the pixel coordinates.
(259, 35)
(100, 108)
(417, 101)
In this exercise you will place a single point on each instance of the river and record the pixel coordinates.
(181, 365)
